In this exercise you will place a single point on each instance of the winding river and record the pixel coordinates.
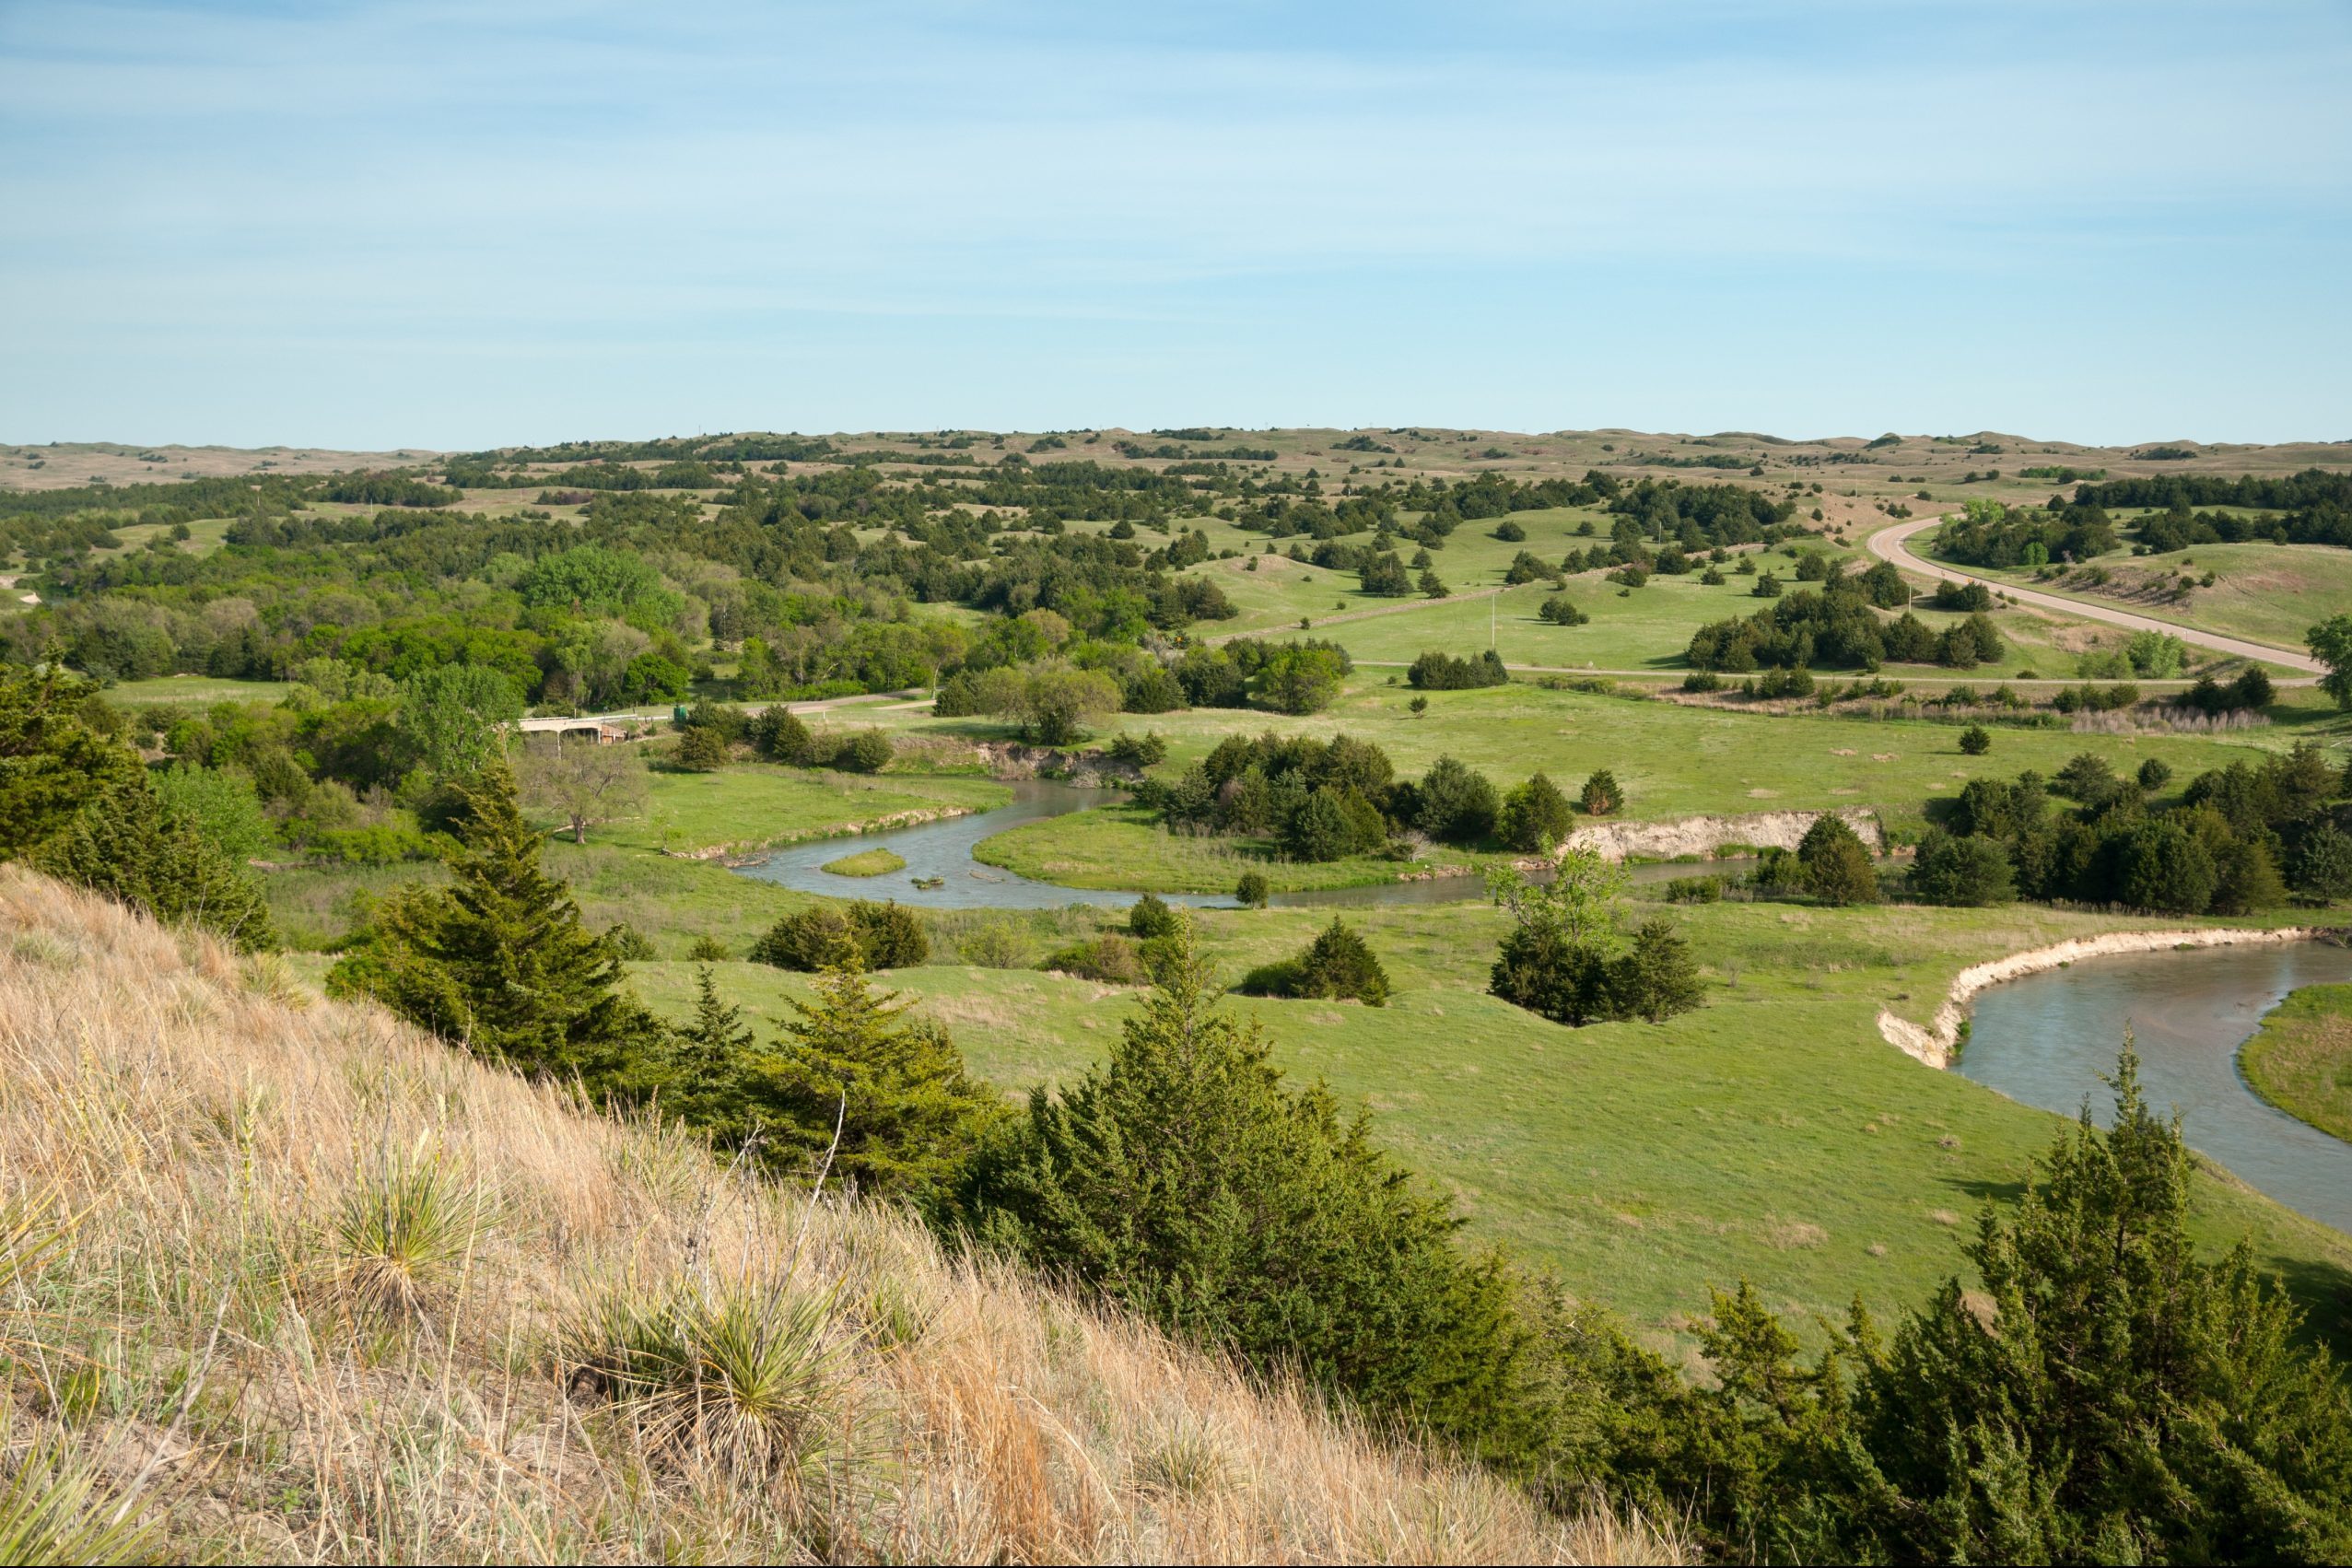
(943, 850)
(2045, 1039)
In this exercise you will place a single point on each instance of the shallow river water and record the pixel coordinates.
(2045, 1039)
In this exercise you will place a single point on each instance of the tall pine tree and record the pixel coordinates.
(499, 961)
(908, 1114)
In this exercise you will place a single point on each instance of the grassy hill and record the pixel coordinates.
(281, 1279)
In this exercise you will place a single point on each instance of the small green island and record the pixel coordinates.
(867, 862)
(2300, 1059)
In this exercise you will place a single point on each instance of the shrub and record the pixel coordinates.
(630, 943)
(125, 844)
(1695, 890)
(863, 935)
(1442, 671)
(1183, 1178)
(1251, 892)
(1332, 824)
(1152, 916)
(865, 751)
(1110, 958)
(777, 735)
(1139, 752)
(1838, 867)
(993, 943)
(1976, 739)
(2155, 773)
(1535, 816)
(708, 949)
(1969, 871)
(1510, 532)
(1601, 795)
(701, 750)
(1337, 966)
(1702, 681)
(1561, 611)
(1456, 804)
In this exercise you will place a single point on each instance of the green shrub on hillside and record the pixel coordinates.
(1337, 966)
(864, 935)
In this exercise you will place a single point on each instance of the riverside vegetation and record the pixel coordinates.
(691, 1069)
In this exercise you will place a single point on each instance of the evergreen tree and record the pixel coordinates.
(1656, 980)
(1183, 1180)
(1535, 816)
(500, 962)
(127, 844)
(1601, 795)
(1970, 871)
(1838, 869)
(708, 1065)
(909, 1115)
(51, 763)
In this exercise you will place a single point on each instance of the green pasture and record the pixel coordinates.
(1771, 1135)
(196, 689)
(753, 806)
(2271, 593)
(2300, 1060)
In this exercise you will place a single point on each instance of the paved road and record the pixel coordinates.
(1888, 546)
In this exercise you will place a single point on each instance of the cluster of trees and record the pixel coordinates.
(2239, 839)
(1566, 957)
(1325, 800)
(2310, 508)
(1837, 628)
(1988, 533)
(1436, 672)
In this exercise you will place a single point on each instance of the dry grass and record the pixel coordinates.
(280, 1279)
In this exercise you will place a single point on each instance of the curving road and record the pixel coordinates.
(1888, 546)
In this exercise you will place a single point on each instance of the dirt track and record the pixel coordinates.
(1888, 545)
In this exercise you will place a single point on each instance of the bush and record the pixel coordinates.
(865, 751)
(1337, 966)
(1602, 796)
(1139, 752)
(1456, 804)
(1184, 1180)
(1444, 672)
(1976, 739)
(1536, 817)
(777, 735)
(1152, 916)
(1561, 611)
(1251, 892)
(993, 943)
(1969, 871)
(864, 935)
(2154, 774)
(1702, 681)
(1510, 532)
(701, 750)
(1838, 869)
(629, 943)
(1695, 890)
(1109, 958)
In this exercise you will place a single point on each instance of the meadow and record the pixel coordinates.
(1772, 1135)
(2272, 593)
(2300, 1060)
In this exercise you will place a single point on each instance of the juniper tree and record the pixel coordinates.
(499, 961)
(908, 1113)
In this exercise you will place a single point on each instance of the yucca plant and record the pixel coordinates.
(738, 1374)
(52, 1511)
(405, 1231)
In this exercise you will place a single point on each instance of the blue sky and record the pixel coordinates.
(455, 225)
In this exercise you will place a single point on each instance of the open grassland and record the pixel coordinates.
(866, 862)
(189, 689)
(753, 806)
(2300, 1060)
(284, 1280)
(2271, 593)
(1771, 1135)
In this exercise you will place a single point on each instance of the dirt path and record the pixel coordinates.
(1888, 545)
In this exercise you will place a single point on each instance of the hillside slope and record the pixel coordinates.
(283, 1279)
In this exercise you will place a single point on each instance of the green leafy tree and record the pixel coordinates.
(1535, 816)
(1456, 803)
(1183, 1180)
(500, 962)
(453, 715)
(221, 805)
(2323, 864)
(701, 749)
(1299, 680)
(2331, 644)
(1838, 867)
(1251, 892)
(906, 1112)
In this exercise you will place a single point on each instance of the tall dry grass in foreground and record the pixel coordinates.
(281, 1279)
